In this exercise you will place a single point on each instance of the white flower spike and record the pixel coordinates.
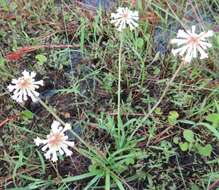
(191, 44)
(124, 17)
(25, 86)
(56, 141)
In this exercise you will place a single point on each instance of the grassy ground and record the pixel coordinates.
(176, 147)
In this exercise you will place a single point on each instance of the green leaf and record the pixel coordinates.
(78, 177)
(205, 150)
(27, 114)
(176, 140)
(107, 181)
(92, 182)
(120, 140)
(214, 119)
(119, 184)
(139, 43)
(188, 135)
(41, 59)
(184, 146)
(42, 162)
(129, 161)
(158, 111)
(172, 117)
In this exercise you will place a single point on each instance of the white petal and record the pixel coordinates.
(45, 147)
(193, 29)
(24, 94)
(184, 49)
(66, 150)
(11, 87)
(202, 53)
(121, 26)
(14, 81)
(54, 156)
(40, 82)
(25, 74)
(39, 141)
(194, 52)
(178, 41)
(180, 50)
(69, 143)
(135, 14)
(182, 34)
(61, 152)
(55, 126)
(33, 74)
(205, 45)
(189, 54)
(33, 95)
(18, 97)
(48, 154)
(132, 24)
(207, 34)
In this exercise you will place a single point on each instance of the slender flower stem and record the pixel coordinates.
(50, 110)
(160, 99)
(119, 76)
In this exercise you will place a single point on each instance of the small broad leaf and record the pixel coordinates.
(27, 114)
(158, 111)
(41, 59)
(139, 43)
(214, 119)
(172, 117)
(184, 146)
(188, 135)
(205, 150)
(176, 140)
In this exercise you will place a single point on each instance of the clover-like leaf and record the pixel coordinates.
(188, 135)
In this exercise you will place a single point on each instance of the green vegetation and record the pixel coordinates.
(154, 143)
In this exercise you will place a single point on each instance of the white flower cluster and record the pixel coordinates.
(25, 86)
(56, 141)
(124, 17)
(191, 43)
